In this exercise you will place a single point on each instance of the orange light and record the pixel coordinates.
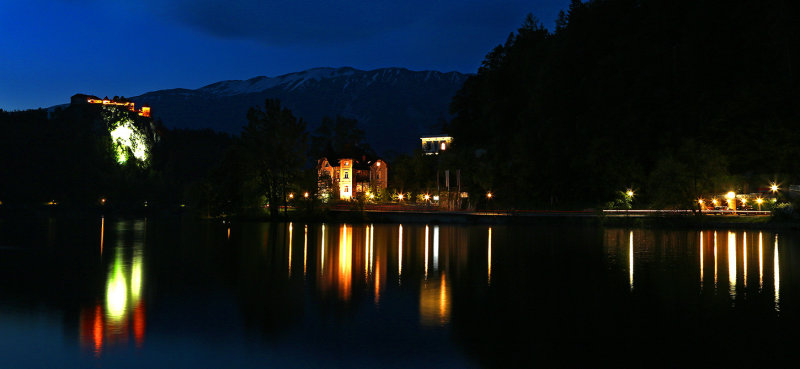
(427, 197)
(305, 195)
(400, 196)
(291, 195)
(489, 195)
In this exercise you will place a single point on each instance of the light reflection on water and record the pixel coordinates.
(428, 285)
(652, 247)
(120, 313)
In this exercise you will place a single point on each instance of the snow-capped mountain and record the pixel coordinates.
(394, 106)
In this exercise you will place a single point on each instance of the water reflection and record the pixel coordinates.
(777, 276)
(434, 303)
(121, 312)
(732, 264)
(488, 258)
(655, 248)
(630, 260)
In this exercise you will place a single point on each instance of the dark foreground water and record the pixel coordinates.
(145, 293)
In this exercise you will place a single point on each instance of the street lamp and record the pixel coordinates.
(305, 195)
(759, 201)
(291, 196)
(400, 197)
(774, 187)
(701, 202)
(629, 193)
(731, 196)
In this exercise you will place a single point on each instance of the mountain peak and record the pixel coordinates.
(393, 105)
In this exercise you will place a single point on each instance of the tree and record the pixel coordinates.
(273, 147)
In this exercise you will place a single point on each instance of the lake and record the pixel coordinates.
(169, 292)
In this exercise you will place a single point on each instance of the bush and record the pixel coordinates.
(784, 211)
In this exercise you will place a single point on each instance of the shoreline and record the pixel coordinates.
(585, 218)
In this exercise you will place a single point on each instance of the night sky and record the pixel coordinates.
(54, 49)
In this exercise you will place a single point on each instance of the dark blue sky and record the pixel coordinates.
(50, 50)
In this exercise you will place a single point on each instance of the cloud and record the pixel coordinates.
(315, 22)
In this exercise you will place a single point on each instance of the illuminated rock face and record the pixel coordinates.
(126, 138)
(132, 137)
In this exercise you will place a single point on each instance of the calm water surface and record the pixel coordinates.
(171, 293)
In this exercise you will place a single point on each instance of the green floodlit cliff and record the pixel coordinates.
(131, 136)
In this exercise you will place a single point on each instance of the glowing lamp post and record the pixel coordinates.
(759, 201)
(400, 197)
(629, 193)
(774, 187)
(305, 195)
(731, 196)
(701, 203)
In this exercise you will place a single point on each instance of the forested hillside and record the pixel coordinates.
(674, 98)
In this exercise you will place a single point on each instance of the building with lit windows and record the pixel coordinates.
(116, 101)
(433, 145)
(349, 177)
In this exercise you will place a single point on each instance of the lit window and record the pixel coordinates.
(346, 189)
(443, 146)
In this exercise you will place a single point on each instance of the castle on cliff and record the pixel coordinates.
(116, 101)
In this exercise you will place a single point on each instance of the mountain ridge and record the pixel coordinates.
(394, 106)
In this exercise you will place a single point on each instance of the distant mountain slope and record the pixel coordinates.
(394, 106)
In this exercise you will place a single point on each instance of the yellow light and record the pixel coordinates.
(378, 164)
(372, 196)
(629, 193)
(116, 291)
(488, 195)
(427, 197)
(715, 202)
(744, 201)
(305, 195)
(291, 195)
(774, 187)
(700, 201)
(400, 196)
(759, 200)
(730, 195)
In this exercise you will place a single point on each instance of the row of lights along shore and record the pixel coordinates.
(731, 198)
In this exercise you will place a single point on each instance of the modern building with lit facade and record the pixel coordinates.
(349, 177)
(433, 145)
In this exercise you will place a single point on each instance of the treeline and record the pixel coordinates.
(675, 99)
(66, 159)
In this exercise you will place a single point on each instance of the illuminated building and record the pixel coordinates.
(121, 102)
(433, 145)
(349, 177)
